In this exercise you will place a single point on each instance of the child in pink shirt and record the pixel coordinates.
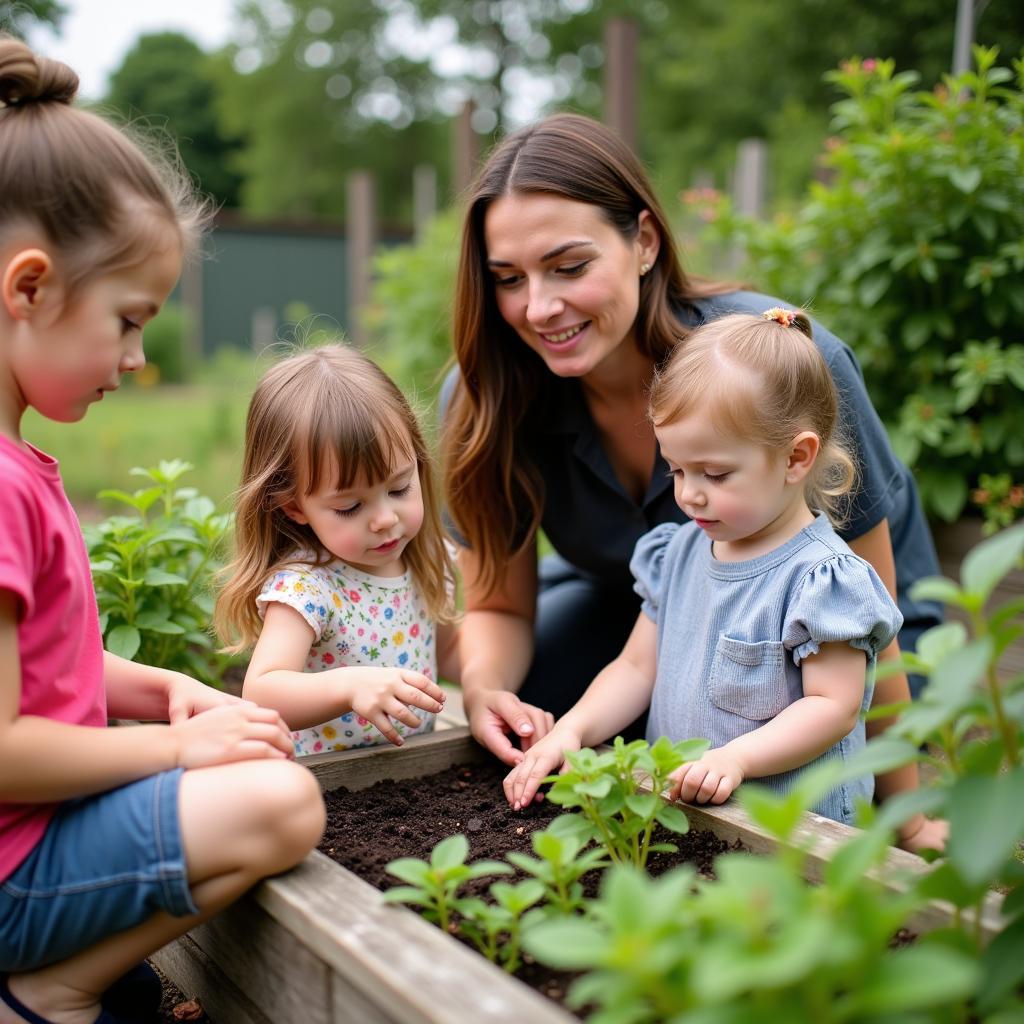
(112, 841)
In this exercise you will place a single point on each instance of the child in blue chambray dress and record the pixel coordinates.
(759, 628)
(341, 578)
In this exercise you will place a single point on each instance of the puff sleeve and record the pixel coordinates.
(305, 590)
(648, 566)
(841, 599)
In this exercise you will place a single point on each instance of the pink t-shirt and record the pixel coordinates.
(43, 562)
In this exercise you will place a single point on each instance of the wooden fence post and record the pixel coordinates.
(361, 223)
(749, 184)
(620, 78)
(192, 303)
(424, 197)
(465, 149)
(264, 328)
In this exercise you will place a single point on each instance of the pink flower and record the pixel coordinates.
(362, 721)
(328, 658)
(374, 610)
(354, 595)
(870, 64)
(414, 629)
(317, 747)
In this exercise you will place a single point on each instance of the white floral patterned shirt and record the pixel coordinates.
(357, 619)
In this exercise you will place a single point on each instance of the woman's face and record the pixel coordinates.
(564, 279)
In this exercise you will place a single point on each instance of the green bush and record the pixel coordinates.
(153, 571)
(165, 344)
(409, 315)
(913, 254)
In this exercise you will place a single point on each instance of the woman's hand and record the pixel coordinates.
(494, 714)
(239, 731)
(544, 757)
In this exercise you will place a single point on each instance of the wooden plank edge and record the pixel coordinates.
(387, 952)
(185, 964)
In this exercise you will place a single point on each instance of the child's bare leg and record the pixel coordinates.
(239, 823)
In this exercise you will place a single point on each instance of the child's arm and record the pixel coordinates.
(833, 683)
(619, 694)
(275, 680)
(153, 694)
(43, 760)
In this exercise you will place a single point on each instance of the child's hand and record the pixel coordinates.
(921, 833)
(521, 784)
(380, 694)
(239, 731)
(187, 697)
(712, 779)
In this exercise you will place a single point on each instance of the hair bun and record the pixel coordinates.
(26, 78)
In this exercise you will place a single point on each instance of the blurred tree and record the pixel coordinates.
(16, 16)
(168, 80)
(329, 85)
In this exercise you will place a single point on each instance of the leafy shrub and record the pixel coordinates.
(152, 570)
(913, 254)
(166, 338)
(409, 314)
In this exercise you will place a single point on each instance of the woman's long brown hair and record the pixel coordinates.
(490, 486)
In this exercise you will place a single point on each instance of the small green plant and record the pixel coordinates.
(153, 570)
(618, 792)
(434, 885)
(496, 928)
(561, 861)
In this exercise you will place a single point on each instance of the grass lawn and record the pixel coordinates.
(203, 424)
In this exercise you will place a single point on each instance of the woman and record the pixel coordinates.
(569, 295)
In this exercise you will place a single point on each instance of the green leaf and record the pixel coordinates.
(568, 944)
(873, 286)
(160, 578)
(155, 623)
(936, 588)
(410, 869)
(1003, 965)
(596, 788)
(966, 179)
(123, 641)
(915, 978)
(643, 804)
(986, 822)
(673, 818)
(405, 894)
(990, 561)
(449, 853)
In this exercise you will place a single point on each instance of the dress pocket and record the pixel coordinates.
(749, 679)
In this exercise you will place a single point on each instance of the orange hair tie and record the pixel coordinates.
(786, 317)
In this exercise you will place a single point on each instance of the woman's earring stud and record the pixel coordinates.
(644, 267)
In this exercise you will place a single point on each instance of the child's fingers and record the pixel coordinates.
(422, 683)
(421, 699)
(691, 780)
(386, 727)
(531, 773)
(397, 710)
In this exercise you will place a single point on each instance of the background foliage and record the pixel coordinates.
(913, 254)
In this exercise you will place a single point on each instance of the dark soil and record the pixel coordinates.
(368, 828)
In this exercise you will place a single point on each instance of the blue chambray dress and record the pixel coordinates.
(731, 636)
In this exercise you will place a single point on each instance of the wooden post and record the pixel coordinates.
(620, 78)
(465, 150)
(749, 182)
(964, 36)
(424, 197)
(362, 241)
(264, 328)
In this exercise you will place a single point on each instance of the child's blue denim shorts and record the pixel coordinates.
(105, 863)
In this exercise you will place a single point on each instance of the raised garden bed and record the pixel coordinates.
(319, 944)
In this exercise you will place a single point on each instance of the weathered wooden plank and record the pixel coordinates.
(268, 961)
(419, 755)
(198, 976)
(392, 958)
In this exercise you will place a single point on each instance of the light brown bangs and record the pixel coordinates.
(353, 442)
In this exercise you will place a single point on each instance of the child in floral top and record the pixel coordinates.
(341, 578)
